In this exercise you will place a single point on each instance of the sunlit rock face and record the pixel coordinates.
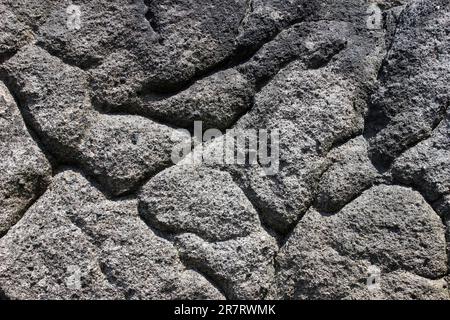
(118, 179)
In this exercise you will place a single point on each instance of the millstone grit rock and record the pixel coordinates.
(388, 227)
(356, 204)
(75, 243)
(25, 171)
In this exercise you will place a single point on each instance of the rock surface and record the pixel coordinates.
(412, 99)
(25, 171)
(389, 227)
(107, 190)
(118, 150)
(75, 243)
(349, 173)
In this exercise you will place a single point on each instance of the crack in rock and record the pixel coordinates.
(93, 207)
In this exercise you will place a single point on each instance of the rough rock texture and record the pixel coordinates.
(349, 173)
(98, 97)
(220, 232)
(390, 227)
(74, 231)
(25, 171)
(426, 166)
(413, 93)
(118, 150)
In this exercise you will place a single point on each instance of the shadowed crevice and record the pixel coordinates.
(3, 295)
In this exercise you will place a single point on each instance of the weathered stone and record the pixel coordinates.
(426, 166)
(389, 227)
(312, 109)
(74, 243)
(414, 81)
(358, 90)
(119, 150)
(350, 172)
(399, 285)
(52, 96)
(242, 267)
(25, 171)
(122, 151)
(198, 200)
(219, 230)
(15, 34)
(218, 101)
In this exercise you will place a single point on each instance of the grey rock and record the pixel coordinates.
(242, 267)
(414, 82)
(349, 173)
(389, 227)
(426, 166)
(75, 243)
(25, 171)
(312, 109)
(314, 101)
(399, 285)
(315, 43)
(180, 30)
(198, 200)
(15, 34)
(120, 151)
(52, 96)
(160, 46)
(216, 228)
(357, 89)
(218, 101)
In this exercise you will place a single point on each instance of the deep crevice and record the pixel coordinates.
(3, 295)
(4, 57)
